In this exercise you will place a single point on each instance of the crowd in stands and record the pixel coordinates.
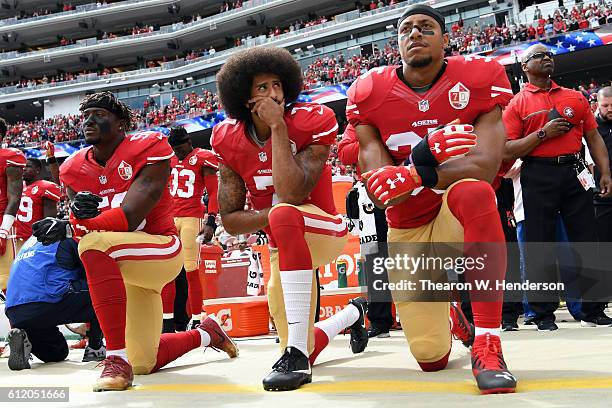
(192, 105)
(61, 128)
(340, 69)
(469, 39)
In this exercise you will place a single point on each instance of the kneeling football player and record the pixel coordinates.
(121, 211)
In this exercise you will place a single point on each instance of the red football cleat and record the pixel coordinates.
(81, 344)
(219, 340)
(489, 367)
(117, 375)
(461, 328)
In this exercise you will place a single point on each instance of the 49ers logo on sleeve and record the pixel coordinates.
(193, 160)
(125, 170)
(459, 96)
(34, 189)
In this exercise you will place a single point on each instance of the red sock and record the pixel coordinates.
(473, 204)
(321, 341)
(167, 294)
(436, 365)
(174, 345)
(107, 292)
(195, 291)
(287, 226)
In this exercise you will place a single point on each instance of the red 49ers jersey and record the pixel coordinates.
(8, 158)
(187, 183)
(80, 172)
(307, 124)
(468, 88)
(31, 206)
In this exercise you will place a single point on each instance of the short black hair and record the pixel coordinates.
(178, 135)
(3, 127)
(106, 100)
(235, 79)
(35, 163)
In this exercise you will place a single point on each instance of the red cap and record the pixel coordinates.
(572, 109)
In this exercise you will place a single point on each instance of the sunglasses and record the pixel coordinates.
(540, 55)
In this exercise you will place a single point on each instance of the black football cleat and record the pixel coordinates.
(21, 350)
(489, 367)
(290, 372)
(359, 334)
(461, 328)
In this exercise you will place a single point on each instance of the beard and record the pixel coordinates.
(419, 62)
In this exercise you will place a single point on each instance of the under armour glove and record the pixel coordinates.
(50, 230)
(3, 238)
(442, 144)
(390, 182)
(85, 205)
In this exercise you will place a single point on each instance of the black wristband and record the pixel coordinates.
(51, 160)
(422, 156)
(211, 221)
(429, 176)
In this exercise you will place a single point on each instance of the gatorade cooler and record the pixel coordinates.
(334, 300)
(210, 269)
(241, 316)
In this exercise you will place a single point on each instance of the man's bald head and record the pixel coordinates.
(604, 103)
(525, 56)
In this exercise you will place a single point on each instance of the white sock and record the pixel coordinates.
(197, 317)
(483, 330)
(168, 316)
(119, 353)
(297, 288)
(205, 337)
(338, 322)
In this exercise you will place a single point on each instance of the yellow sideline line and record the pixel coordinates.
(384, 386)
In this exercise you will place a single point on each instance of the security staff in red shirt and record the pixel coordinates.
(545, 124)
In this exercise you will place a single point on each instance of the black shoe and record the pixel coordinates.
(290, 372)
(359, 335)
(94, 355)
(21, 350)
(180, 327)
(547, 325)
(168, 326)
(376, 332)
(509, 326)
(194, 324)
(599, 320)
(529, 321)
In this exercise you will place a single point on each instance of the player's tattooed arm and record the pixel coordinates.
(483, 161)
(294, 177)
(14, 179)
(373, 155)
(232, 198)
(145, 192)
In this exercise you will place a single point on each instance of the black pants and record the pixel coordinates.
(379, 313)
(511, 309)
(181, 317)
(548, 190)
(603, 216)
(40, 321)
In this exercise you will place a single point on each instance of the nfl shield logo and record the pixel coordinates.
(125, 170)
(102, 179)
(424, 105)
(263, 157)
(459, 96)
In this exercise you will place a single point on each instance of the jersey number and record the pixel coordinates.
(262, 183)
(114, 202)
(186, 178)
(26, 206)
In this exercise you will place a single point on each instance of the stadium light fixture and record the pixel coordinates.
(390, 28)
(189, 79)
(167, 84)
(311, 48)
(155, 85)
(179, 81)
(47, 101)
(37, 104)
(299, 51)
